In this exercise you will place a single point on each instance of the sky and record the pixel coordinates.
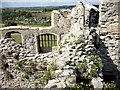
(37, 3)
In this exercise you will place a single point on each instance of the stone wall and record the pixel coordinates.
(109, 15)
(62, 22)
(109, 27)
(110, 36)
(29, 35)
(76, 48)
(19, 68)
(78, 45)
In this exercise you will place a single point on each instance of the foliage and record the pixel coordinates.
(46, 77)
(110, 85)
(49, 73)
(97, 61)
(18, 64)
(52, 67)
(1, 63)
(81, 86)
(10, 24)
(89, 68)
(59, 51)
(27, 70)
(24, 17)
(8, 75)
(16, 56)
(8, 52)
(10, 14)
(66, 41)
(42, 66)
(80, 40)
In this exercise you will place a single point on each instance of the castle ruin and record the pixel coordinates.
(67, 27)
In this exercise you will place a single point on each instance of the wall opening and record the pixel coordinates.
(93, 18)
(46, 42)
(15, 35)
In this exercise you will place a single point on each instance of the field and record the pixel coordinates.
(16, 37)
(42, 14)
(35, 25)
(1, 25)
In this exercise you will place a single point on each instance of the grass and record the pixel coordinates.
(46, 14)
(1, 25)
(43, 14)
(35, 25)
(16, 37)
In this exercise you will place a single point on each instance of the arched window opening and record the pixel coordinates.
(15, 35)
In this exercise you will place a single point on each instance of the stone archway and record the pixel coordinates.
(15, 35)
(45, 42)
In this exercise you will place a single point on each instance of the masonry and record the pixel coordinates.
(109, 21)
(60, 25)
(69, 26)
(30, 35)
(110, 36)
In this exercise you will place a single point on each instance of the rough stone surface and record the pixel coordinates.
(76, 44)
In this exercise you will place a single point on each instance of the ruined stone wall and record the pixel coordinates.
(60, 19)
(76, 47)
(15, 67)
(110, 36)
(109, 15)
(60, 25)
(28, 36)
(62, 22)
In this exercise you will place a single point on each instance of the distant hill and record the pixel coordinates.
(49, 8)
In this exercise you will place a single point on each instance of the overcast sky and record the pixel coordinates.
(36, 3)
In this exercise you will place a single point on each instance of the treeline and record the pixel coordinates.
(50, 8)
(11, 14)
(40, 16)
(20, 17)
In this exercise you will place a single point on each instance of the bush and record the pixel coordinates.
(2, 64)
(89, 68)
(26, 76)
(16, 56)
(8, 52)
(10, 24)
(46, 76)
(49, 73)
(27, 70)
(18, 65)
(8, 75)
(66, 41)
(80, 40)
(59, 51)
(110, 85)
